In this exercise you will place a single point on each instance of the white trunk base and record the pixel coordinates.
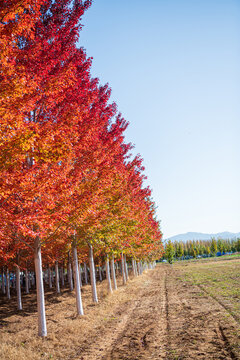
(92, 275)
(123, 270)
(42, 326)
(113, 274)
(76, 281)
(108, 275)
(18, 284)
(57, 278)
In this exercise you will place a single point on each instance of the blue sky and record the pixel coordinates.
(174, 70)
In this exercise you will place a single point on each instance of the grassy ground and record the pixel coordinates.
(181, 312)
(219, 278)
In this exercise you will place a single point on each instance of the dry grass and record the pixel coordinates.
(65, 330)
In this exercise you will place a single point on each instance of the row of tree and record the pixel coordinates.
(68, 182)
(192, 248)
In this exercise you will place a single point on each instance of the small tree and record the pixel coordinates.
(208, 251)
(213, 247)
(170, 252)
(220, 245)
(238, 245)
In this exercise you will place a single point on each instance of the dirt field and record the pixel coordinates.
(167, 313)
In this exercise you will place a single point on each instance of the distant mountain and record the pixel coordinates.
(202, 236)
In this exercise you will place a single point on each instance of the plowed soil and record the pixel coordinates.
(156, 316)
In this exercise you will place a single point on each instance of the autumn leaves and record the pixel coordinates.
(66, 173)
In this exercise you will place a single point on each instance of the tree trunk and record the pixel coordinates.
(85, 273)
(123, 270)
(26, 282)
(133, 267)
(3, 282)
(62, 276)
(138, 267)
(8, 284)
(42, 326)
(92, 275)
(76, 280)
(57, 278)
(108, 275)
(113, 274)
(18, 285)
(125, 267)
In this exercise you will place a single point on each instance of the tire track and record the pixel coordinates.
(111, 332)
(236, 318)
(141, 336)
(226, 343)
(194, 325)
(163, 318)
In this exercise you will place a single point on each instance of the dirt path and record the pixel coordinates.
(156, 316)
(167, 320)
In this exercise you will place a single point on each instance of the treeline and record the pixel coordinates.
(194, 248)
(70, 190)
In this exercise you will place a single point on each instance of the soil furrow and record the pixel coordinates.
(235, 318)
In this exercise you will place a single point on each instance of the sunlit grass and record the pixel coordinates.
(220, 279)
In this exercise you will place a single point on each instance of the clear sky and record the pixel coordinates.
(174, 70)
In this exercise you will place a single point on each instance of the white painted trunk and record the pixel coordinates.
(26, 282)
(76, 281)
(125, 267)
(123, 270)
(85, 273)
(133, 268)
(3, 282)
(18, 285)
(108, 276)
(113, 274)
(57, 278)
(8, 284)
(42, 326)
(92, 275)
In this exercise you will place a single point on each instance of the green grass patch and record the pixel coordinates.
(220, 279)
